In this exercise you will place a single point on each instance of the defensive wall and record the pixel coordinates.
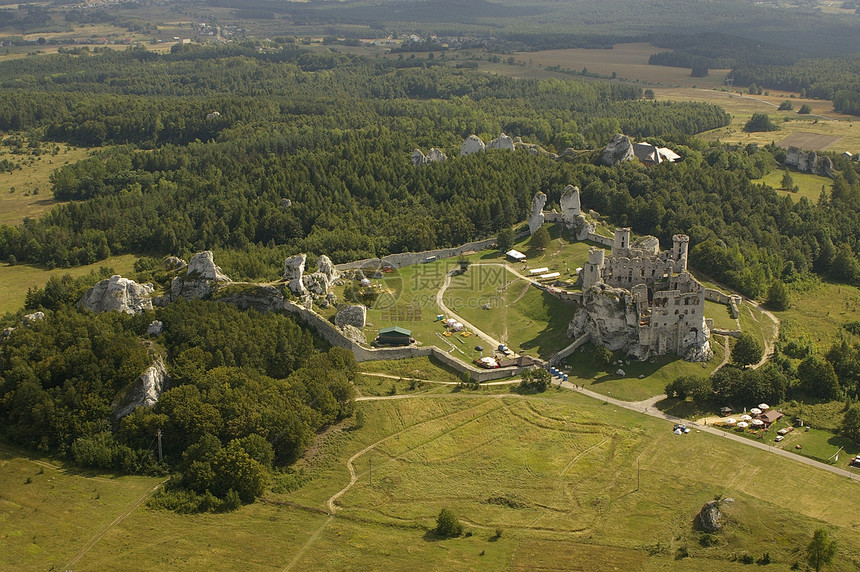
(332, 335)
(733, 301)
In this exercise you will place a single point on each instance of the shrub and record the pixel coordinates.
(447, 525)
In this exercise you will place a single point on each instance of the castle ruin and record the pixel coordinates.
(643, 301)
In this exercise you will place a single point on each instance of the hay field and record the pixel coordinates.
(628, 61)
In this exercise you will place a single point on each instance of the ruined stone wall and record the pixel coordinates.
(410, 258)
(602, 240)
(563, 295)
(552, 216)
(733, 301)
(627, 272)
(332, 335)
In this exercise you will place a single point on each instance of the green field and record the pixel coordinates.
(16, 280)
(26, 192)
(809, 186)
(818, 314)
(570, 483)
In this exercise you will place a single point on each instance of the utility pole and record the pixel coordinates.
(158, 434)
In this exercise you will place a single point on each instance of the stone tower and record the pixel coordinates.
(593, 271)
(621, 241)
(680, 245)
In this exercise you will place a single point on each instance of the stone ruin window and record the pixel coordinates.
(687, 301)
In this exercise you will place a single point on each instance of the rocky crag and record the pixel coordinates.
(118, 294)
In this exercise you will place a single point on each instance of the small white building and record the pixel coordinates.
(515, 255)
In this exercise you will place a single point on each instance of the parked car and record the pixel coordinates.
(779, 438)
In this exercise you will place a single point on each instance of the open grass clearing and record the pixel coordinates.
(16, 280)
(584, 370)
(556, 473)
(26, 192)
(844, 129)
(819, 314)
(808, 185)
(48, 513)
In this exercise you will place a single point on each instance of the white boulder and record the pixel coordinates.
(472, 144)
(202, 267)
(536, 213)
(618, 150)
(352, 315)
(144, 391)
(571, 207)
(118, 294)
(501, 142)
(294, 268)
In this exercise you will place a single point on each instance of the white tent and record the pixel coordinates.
(730, 421)
(743, 425)
(457, 327)
(763, 406)
(543, 270)
(549, 275)
(515, 255)
(677, 431)
(365, 282)
(755, 411)
(745, 417)
(757, 422)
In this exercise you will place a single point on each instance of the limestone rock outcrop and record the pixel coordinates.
(174, 263)
(710, 517)
(118, 294)
(200, 280)
(144, 391)
(316, 283)
(286, 203)
(536, 214)
(618, 150)
(294, 268)
(433, 156)
(327, 267)
(31, 319)
(354, 334)
(609, 316)
(571, 208)
(202, 267)
(155, 328)
(4, 335)
(262, 298)
(351, 315)
(501, 142)
(472, 144)
(809, 162)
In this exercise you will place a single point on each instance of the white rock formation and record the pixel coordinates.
(155, 328)
(354, 334)
(316, 283)
(31, 319)
(809, 162)
(294, 268)
(174, 263)
(4, 335)
(326, 266)
(435, 156)
(618, 150)
(501, 142)
(199, 281)
(472, 144)
(536, 213)
(118, 294)
(143, 392)
(418, 158)
(351, 314)
(286, 203)
(202, 267)
(570, 206)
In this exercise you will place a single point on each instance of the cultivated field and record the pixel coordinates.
(552, 482)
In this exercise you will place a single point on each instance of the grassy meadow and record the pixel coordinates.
(809, 185)
(26, 192)
(551, 482)
(818, 314)
(16, 280)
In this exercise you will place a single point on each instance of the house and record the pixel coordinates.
(652, 155)
(395, 336)
(770, 416)
(725, 411)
